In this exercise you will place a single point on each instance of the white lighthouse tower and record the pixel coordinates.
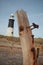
(10, 29)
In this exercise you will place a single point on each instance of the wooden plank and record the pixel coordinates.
(25, 37)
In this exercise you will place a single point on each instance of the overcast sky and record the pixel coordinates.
(33, 8)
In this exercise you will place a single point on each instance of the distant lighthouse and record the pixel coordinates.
(10, 29)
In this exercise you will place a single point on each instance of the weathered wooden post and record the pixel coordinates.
(25, 37)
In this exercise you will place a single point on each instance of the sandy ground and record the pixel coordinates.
(40, 60)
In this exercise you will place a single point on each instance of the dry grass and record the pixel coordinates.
(39, 40)
(17, 39)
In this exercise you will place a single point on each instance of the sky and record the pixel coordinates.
(33, 8)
